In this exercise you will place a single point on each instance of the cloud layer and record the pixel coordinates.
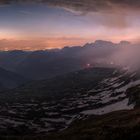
(85, 5)
(96, 5)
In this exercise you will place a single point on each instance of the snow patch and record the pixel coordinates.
(122, 105)
(131, 84)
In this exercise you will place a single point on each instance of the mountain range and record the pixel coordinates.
(9, 80)
(71, 93)
(37, 65)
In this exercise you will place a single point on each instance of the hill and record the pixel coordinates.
(10, 79)
(52, 105)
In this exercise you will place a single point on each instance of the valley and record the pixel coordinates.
(37, 108)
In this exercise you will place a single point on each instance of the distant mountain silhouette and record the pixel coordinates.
(46, 64)
(10, 79)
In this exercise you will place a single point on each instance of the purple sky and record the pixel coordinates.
(40, 26)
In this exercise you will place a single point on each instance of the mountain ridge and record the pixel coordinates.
(10, 80)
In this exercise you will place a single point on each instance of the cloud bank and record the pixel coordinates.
(114, 11)
(85, 5)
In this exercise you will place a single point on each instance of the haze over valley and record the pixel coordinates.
(69, 69)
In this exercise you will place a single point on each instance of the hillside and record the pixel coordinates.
(113, 126)
(52, 105)
(10, 79)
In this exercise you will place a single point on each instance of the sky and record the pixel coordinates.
(46, 24)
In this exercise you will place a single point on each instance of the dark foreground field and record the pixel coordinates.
(120, 125)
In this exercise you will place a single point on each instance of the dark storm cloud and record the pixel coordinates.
(96, 5)
(84, 5)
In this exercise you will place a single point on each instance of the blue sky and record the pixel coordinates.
(41, 21)
(59, 26)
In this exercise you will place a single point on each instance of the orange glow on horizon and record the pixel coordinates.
(16, 43)
(62, 42)
(41, 43)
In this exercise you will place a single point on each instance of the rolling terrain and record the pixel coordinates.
(67, 86)
(38, 108)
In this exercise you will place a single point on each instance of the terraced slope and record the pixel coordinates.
(52, 105)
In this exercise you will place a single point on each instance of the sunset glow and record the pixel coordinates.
(33, 27)
(69, 69)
